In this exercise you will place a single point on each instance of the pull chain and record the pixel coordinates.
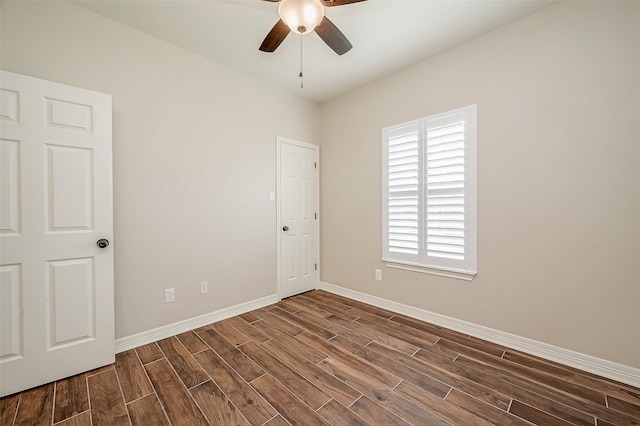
(300, 75)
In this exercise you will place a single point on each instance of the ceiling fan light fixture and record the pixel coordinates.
(301, 16)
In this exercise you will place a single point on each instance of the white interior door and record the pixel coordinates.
(56, 284)
(298, 217)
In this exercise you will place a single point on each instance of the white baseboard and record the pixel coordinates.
(130, 342)
(601, 367)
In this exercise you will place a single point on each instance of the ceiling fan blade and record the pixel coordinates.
(334, 38)
(277, 34)
(331, 3)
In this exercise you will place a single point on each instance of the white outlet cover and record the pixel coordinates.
(169, 295)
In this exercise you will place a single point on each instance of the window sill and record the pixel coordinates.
(443, 272)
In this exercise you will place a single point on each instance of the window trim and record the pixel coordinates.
(470, 219)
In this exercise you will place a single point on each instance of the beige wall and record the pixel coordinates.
(194, 158)
(558, 97)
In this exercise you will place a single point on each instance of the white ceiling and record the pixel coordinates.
(386, 35)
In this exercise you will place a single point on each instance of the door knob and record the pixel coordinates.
(285, 228)
(102, 243)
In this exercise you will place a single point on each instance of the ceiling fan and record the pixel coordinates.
(304, 16)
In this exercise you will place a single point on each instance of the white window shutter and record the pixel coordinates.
(445, 189)
(403, 190)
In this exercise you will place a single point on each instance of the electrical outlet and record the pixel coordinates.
(204, 287)
(378, 275)
(169, 295)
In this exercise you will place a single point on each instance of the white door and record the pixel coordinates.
(298, 217)
(56, 284)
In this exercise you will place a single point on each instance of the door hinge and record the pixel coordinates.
(315, 164)
(315, 215)
(316, 266)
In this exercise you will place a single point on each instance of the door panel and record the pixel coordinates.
(10, 313)
(71, 307)
(56, 192)
(9, 187)
(298, 213)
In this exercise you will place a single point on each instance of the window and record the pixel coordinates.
(429, 194)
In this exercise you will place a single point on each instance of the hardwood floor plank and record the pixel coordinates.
(526, 390)
(133, 379)
(351, 376)
(363, 367)
(82, 419)
(421, 335)
(323, 308)
(278, 322)
(288, 405)
(548, 380)
(294, 382)
(443, 375)
(249, 317)
(253, 406)
(408, 374)
(309, 314)
(309, 326)
(248, 330)
(303, 349)
(333, 327)
(337, 414)
(535, 416)
(174, 398)
(149, 353)
(230, 333)
(147, 411)
(537, 380)
(376, 336)
(433, 329)
(286, 306)
(405, 409)
(277, 421)
(309, 306)
(36, 406)
(374, 414)
(100, 370)
(481, 409)
(425, 340)
(192, 342)
(330, 384)
(619, 390)
(72, 397)
(241, 363)
(623, 406)
(354, 304)
(8, 409)
(183, 362)
(107, 402)
(498, 380)
(217, 408)
(442, 410)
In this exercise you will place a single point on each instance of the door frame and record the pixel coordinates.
(280, 140)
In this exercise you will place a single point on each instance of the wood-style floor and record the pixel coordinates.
(317, 359)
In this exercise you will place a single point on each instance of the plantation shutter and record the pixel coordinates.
(445, 187)
(403, 190)
(429, 194)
